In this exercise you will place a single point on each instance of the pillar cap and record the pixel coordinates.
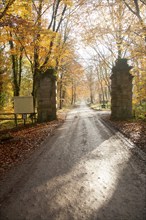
(49, 73)
(120, 65)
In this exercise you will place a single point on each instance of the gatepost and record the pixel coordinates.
(46, 96)
(121, 90)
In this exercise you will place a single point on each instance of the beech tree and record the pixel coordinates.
(41, 32)
(5, 6)
(117, 34)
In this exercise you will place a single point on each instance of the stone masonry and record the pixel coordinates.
(121, 90)
(46, 96)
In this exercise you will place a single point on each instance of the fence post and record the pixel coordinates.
(15, 115)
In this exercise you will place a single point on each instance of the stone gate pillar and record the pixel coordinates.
(46, 96)
(121, 90)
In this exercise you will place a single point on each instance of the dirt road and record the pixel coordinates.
(84, 171)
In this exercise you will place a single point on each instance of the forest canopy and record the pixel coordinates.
(80, 40)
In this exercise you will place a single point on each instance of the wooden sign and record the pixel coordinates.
(23, 104)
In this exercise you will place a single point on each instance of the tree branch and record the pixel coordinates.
(2, 14)
(61, 19)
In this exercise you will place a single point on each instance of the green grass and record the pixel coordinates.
(9, 124)
(98, 107)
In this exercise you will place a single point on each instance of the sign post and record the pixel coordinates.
(23, 105)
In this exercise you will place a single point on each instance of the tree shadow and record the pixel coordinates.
(128, 201)
(77, 182)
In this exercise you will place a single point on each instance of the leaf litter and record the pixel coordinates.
(18, 143)
(135, 130)
(22, 141)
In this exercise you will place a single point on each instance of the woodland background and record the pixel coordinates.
(81, 40)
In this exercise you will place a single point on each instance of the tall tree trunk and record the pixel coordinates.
(16, 69)
(72, 96)
(60, 92)
(43, 68)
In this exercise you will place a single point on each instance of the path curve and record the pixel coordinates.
(84, 171)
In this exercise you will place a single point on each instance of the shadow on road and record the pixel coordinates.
(86, 174)
(128, 201)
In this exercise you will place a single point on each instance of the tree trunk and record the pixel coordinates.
(16, 68)
(72, 97)
(60, 92)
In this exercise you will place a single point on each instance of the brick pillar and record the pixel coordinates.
(46, 96)
(121, 90)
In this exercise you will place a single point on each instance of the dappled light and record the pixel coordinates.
(88, 172)
(72, 109)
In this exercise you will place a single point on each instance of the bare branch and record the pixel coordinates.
(61, 19)
(2, 14)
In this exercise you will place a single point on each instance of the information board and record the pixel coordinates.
(23, 104)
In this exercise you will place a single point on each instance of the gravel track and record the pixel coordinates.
(84, 171)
